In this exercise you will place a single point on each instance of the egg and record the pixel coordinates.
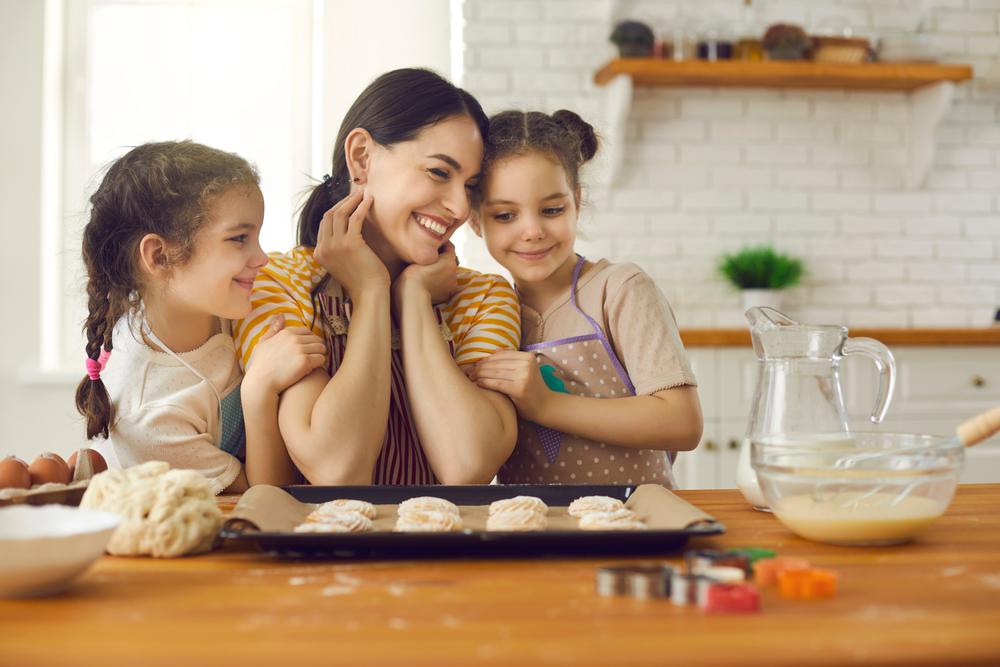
(14, 474)
(49, 468)
(97, 462)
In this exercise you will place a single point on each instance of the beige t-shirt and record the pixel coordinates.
(634, 315)
(636, 318)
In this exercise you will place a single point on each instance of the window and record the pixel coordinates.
(231, 74)
(268, 79)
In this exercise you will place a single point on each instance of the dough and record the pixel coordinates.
(164, 512)
(517, 520)
(519, 503)
(622, 519)
(427, 503)
(588, 504)
(428, 521)
(341, 522)
(342, 505)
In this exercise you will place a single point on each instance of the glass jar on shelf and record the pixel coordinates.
(715, 43)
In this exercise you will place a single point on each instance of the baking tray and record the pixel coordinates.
(466, 543)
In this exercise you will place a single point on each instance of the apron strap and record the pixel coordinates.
(619, 367)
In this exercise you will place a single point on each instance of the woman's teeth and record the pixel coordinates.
(432, 225)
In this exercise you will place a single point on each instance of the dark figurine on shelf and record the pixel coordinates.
(633, 39)
(784, 41)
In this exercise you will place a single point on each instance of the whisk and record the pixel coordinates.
(970, 432)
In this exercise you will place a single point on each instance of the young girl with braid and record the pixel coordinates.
(602, 385)
(171, 252)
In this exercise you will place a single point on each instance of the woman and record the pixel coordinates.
(375, 275)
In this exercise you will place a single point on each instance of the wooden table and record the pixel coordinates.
(932, 602)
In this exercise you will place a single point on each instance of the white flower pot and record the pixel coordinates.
(752, 298)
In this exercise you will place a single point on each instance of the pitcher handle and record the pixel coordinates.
(886, 365)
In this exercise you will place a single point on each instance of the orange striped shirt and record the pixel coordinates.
(484, 315)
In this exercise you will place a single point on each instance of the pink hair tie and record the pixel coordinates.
(95, 366)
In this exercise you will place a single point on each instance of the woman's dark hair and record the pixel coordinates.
(395, 107)
(157, 188)
(563, 135)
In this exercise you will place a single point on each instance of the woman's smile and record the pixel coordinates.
(433, 225)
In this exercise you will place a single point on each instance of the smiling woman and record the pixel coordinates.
(376, 276)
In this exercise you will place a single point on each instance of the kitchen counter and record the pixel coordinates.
(937, 337)
(932, 602)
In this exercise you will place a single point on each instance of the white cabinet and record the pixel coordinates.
(936, 389)
(726, 380)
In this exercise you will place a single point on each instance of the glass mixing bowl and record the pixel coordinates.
(862, 488)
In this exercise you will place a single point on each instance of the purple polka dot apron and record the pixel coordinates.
(583, 365)
(402, 460)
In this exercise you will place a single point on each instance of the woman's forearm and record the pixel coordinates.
(334, 427)
(669, 419)
(466, 432)
(267, 460)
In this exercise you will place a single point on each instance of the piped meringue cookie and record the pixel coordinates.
(342, 505)
(587, 504)
(530, 503)
(427, 504)
(341, 522)
(519, 520)
(428, 521)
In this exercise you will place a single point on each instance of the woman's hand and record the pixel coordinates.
(515, 374)
(283, 357)
(343, 252)
(439, 280)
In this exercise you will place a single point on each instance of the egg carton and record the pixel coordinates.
(54, 492)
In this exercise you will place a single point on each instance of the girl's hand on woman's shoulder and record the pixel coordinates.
(515, 374)
(342, 250)
(283, 357)
(439, 280)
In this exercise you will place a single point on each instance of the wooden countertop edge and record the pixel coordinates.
(942, 337)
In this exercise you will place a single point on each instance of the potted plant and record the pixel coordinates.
(633, 39)
(784, 41)
(760, 273)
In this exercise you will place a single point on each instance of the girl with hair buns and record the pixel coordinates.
(171, 251)
(591, 330)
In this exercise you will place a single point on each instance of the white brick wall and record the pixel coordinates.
(817, 173)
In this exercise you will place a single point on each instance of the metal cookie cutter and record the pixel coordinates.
(640, 582)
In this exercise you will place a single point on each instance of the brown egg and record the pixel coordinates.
(14, 474)
(97, 462)
(49, 468)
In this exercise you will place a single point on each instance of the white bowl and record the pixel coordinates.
(42, 549)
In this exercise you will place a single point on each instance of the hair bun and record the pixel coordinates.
(580, 128)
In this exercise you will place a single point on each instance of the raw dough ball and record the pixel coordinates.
(427, 503)
(342, 505)
(164, 512)
(341, 522)
(519, 503)
(622, 519)
(517, 520)
(588, 504)
(428, 521)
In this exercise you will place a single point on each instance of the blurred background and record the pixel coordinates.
(890, 199)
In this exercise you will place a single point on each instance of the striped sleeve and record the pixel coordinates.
(484, 316)
(283, 287)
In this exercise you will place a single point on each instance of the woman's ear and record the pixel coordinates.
(358, 151)
(153, 259)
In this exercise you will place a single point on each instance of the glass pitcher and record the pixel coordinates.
(798, 394)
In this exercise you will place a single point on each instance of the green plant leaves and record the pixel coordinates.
(760, 267)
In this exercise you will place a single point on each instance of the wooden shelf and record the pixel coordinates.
(782, 74)
(898, 337)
